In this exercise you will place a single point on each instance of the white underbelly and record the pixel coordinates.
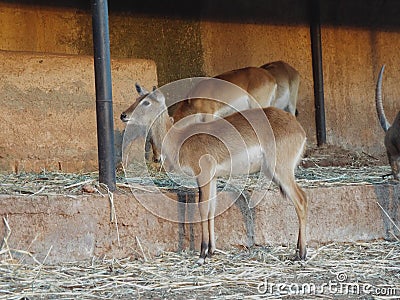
(246, 162)
(282, 100)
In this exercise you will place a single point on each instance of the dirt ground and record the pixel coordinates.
(359, 270)
(333, 271)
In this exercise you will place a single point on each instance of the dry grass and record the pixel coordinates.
(70, 184)
(367, 270)
(333, 271)
(321, 166)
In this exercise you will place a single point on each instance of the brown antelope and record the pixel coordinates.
(273, 84)
(287, 79)
(392, 136)
(206, 151)
(257, 82)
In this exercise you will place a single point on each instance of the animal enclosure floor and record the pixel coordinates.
(332, 271)
(359, 270)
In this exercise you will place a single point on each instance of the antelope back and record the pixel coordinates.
(275, 132)
(288, 80)
(231, 90)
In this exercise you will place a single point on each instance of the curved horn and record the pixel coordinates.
(378, 99)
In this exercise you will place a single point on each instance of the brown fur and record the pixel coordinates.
(256, 81)
(288, 80)
(274, 84)
(392, 136)
(205, 155)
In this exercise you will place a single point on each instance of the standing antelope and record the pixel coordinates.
(254, 81)
(273, 84)
(392, 136)
(196, 150)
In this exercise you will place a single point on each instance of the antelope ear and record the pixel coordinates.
(141, 90)
(158, 95)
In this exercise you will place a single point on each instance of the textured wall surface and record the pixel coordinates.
(79, 228)
(216, 37)
(229, 46)
(351, 58)
(48, 105)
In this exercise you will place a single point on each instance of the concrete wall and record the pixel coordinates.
(48, 119)
(195, 46)
(230, 46)
(79, 228)
(352, 59)
(45, 29)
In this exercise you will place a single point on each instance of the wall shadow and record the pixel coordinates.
(388, 197)
(356, 13)
(186, 215)
(248, 215)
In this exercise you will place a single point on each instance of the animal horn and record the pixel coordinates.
(378, 99)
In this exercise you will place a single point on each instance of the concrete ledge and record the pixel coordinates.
(48, 115)
(79, 228)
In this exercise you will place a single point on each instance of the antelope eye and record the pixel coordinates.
(146, 103)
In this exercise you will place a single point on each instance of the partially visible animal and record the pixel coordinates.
(220, 96)
(269, 139)
(288, 80)
(273, 84)
(392, 136)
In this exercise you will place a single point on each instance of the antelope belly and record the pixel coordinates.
(245, 162)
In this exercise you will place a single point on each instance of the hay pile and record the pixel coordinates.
(333, 271)
(369, 270)
(321, 166)
(70, 184)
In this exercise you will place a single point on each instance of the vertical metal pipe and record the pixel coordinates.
(318, 77)
(104, 110)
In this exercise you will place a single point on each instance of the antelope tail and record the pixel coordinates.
(378, 99)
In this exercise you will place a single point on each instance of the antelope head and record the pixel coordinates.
(149, 110)
(145, 108)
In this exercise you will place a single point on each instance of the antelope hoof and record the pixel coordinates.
(211, 252)
(201, 261)
(300, 255)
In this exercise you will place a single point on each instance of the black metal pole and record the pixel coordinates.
(318, 77)
(104, 110)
